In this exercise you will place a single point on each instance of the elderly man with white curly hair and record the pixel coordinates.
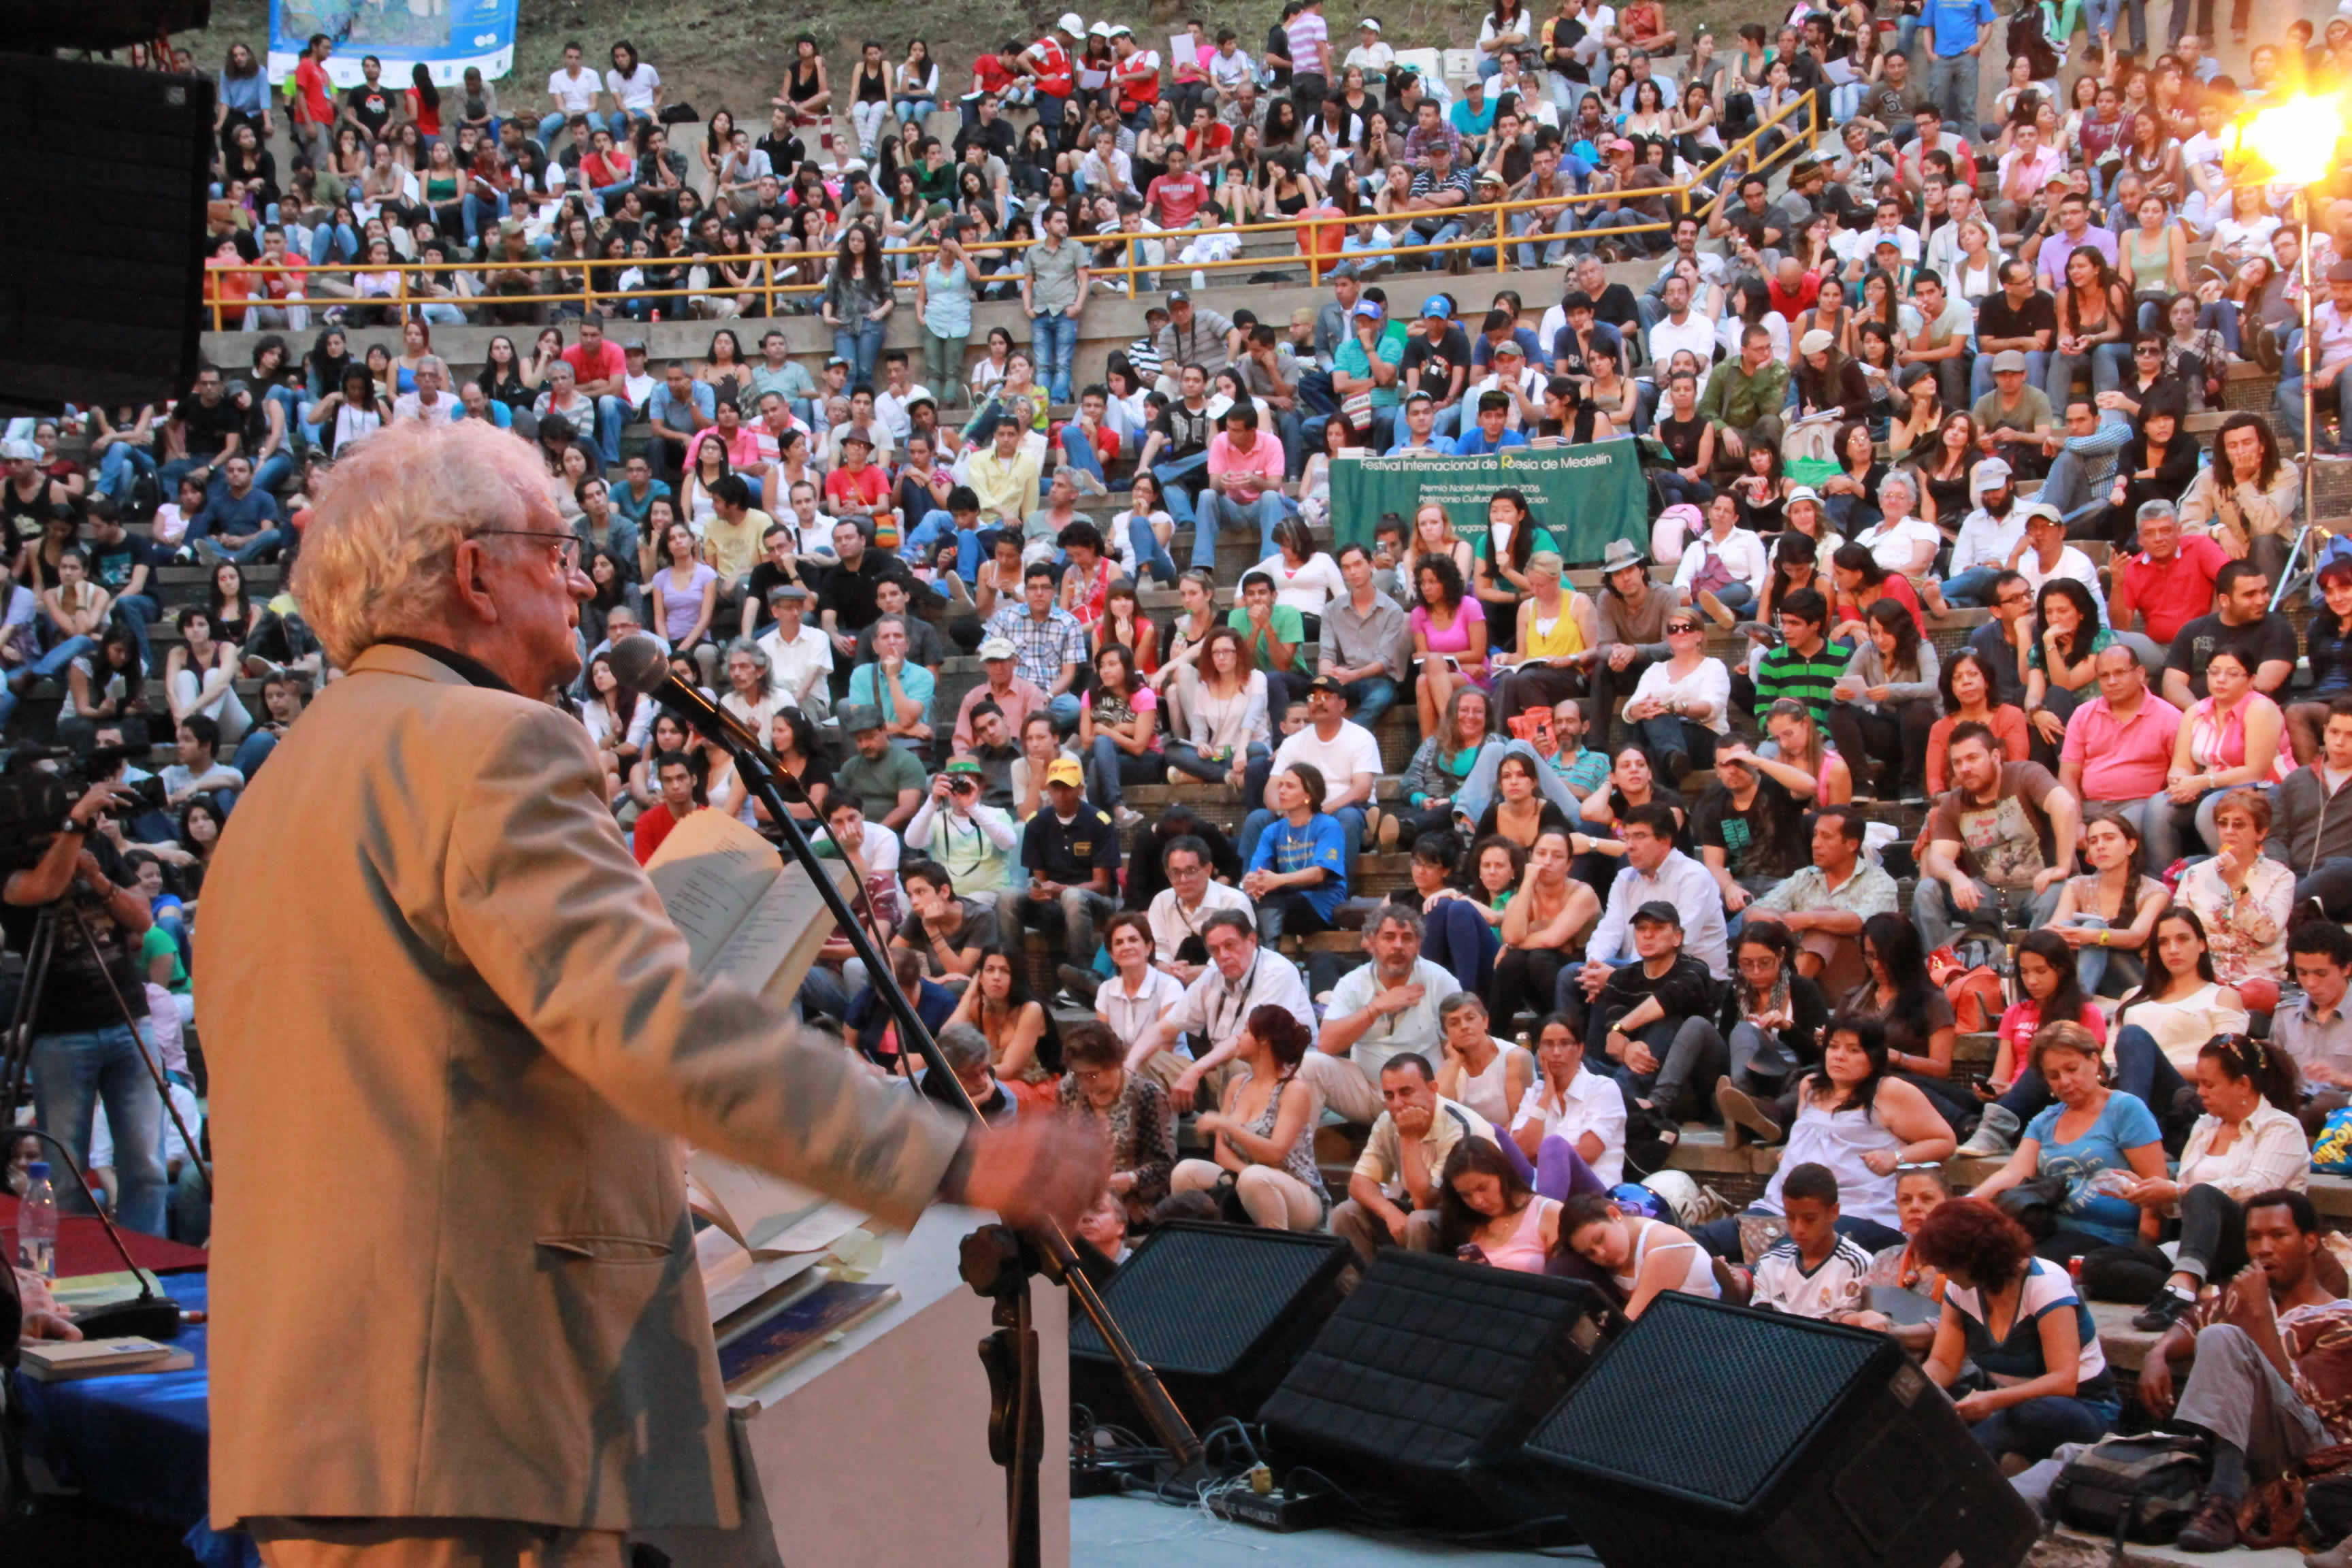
(455, 1042)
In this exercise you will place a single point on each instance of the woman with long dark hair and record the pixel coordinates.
(1883, 706)
(2094, 320)
(2250, 495)
(858, 301)
(1860, 1118)
(2327, 642)
(1449, 637)
(1512, 536)
(1262, 1135)
(2179, 1005)
(2050, 991)
(2159, 463)
(1487, 1212)
(2060, 666)
(1921, 1027)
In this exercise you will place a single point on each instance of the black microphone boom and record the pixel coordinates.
(639, 662)
(151, 1317)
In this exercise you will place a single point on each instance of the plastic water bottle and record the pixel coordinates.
(36, 1224)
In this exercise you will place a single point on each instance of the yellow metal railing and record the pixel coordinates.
(1318, 260)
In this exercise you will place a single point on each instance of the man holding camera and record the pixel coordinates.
(90, 1034)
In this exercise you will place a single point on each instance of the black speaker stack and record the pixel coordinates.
(1469, 1401)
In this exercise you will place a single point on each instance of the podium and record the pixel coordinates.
(871, 1452)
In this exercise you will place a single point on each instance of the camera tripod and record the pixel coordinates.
(17, 1045)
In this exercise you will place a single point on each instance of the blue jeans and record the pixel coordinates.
(1351, 821)
(937, 524)
(333, 242)
(49, 667)
(119, 468)
(1053, 341)
(1151, 555)
(2034, 1427)
(612, 413)
(140, 611)
(1530, 259)
(1186, 758)
(549, 124)
(2287, 412)
(1952, 87)
(72, 1075)
(475, 211)
(1220, 513)
(862, 346)
(915, 109)
(2037, 372)
(269, 539)
(1371, 697)
(253, 750)
(1972, 587)
(1172, 473)
(2142, 1069)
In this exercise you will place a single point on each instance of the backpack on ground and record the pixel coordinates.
(2141, 1488)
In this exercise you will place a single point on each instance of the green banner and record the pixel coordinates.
(1583, 497)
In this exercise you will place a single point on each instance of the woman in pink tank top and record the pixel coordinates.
(1486, 1213)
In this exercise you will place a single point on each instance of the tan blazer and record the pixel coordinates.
(453, 1043)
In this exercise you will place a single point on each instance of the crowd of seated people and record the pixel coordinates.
(1629, 880)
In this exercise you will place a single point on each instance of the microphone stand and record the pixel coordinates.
(997, 1261)
(151, 1316)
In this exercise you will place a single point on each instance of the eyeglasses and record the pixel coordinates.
(2147, 350)
(563, 548)
(1674, 628)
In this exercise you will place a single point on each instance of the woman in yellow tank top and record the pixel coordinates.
(1556, 637)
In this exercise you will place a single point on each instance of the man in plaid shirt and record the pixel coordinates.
(1048, 643)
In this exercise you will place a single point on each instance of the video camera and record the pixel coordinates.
(39, 784)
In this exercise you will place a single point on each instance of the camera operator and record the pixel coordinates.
(83, 1050)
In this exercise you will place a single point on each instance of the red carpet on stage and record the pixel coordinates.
(82, 1246)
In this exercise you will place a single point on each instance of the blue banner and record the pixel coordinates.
(446, 36)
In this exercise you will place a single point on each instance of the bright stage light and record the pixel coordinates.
(2296, 140)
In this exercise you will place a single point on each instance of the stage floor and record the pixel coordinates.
(1133, 1532)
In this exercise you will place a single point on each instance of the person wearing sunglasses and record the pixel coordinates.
(1681, 707)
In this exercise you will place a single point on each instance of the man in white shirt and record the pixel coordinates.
(2201, 159)
(897, 394)
(1105, 170)
(800, 655)
(1654, 869)
(1989, 540)
(1241, 977)
(1379, 1010)
(1511, 375)
(1343, 751)
(1180, 912)
(573, 91)
(2046, 554)
(430, 403)
(1854, 246)
(1681, 328)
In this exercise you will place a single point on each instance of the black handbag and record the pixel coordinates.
(2034, 1204)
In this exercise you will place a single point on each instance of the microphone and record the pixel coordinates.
(151, 1317)
(639, 663)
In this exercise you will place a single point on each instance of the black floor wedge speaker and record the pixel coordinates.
(1221, 1311)
(1716, 1434)
(1420, 1392)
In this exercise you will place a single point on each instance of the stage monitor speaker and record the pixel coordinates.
(101, 232)
(1221, 1311)
(1421, 1390)
(1743, 1439)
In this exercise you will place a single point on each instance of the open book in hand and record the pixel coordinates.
(747, 914)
